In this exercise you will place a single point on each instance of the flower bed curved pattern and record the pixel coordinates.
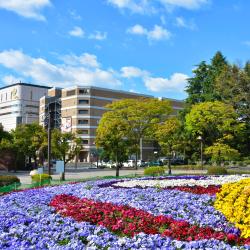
(234, 202)
(27, 221)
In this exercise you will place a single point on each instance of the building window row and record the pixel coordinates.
(83, 91)
(85, 141)
(83, 132)
(9, 113)
(83, 122)
(82, 101)
(83, 111)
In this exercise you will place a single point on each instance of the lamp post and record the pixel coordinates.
(199, 138)
(155, 155)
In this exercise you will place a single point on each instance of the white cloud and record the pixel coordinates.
(77, 32)
(131, 72)
(187, 4)
(10, 79)
(138, 30)
(176, 82)
(135, 6)
(157, 33)
(98, 35)
(26, 8)
(247, 43)
(75, 15)
(85, 59)
(182, 23)
(41, 71)
(149, 6)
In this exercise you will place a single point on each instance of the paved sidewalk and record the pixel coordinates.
(89, 173)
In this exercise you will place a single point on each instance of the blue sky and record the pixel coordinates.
(146, 46)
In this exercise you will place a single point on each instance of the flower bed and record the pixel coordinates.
(104, 215)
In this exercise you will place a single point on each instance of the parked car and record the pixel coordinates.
(129, 164)
(141, 163)
(155, 163)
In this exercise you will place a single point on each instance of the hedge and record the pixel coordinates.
(6, 180)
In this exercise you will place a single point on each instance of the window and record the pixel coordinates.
(83, 111)
(31, 95)
(83, 91)
(19, 120)
(71, 92)
(82, 122)
(83, 101)
(85, 142)
(83, 132)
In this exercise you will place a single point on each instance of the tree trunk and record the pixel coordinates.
(117, 165)
(136, 158)
(76, 161)
(169, 166)
(63, 174)
(169, 161)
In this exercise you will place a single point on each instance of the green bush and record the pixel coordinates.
(216, 170)
(6, 180)
(153, 171)
(41, 178)
(189, 167)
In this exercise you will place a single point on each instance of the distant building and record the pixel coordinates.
(81, 110)
(50, 109)
(19, 104)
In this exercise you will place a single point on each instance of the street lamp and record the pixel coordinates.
(199, 138)
(155, 154)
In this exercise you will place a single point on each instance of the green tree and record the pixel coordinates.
(220, 152)
(111, 137)
(140, 117)
(201, 86)
(65, 146)
(4, 134)
(30, 139)
(214, 122)
(168, 137)
(233, 87)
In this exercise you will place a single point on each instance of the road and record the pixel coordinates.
(78, 174)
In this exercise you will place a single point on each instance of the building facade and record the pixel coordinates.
(82, 109)
(19, 104)
(50, 109)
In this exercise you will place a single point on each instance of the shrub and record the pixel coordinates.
(154, 171)
(6, 180)
(41, 178)
(217, 170)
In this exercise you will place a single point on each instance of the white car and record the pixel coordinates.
(129, 164)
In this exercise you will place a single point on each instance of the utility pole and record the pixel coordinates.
(49, 142)
(141, 148)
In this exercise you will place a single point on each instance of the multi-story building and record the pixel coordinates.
(19, 104)
(50, 109)
(83, 107)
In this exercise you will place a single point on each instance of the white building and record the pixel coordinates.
(19, 103)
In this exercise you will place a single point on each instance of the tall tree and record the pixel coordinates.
(201, 86)
(111, 137)
(233, 86)
(215, 122)
(65, 146)
(168, 137)
(30, 139)
(141, 117)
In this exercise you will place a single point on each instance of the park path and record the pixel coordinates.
(90, 173)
